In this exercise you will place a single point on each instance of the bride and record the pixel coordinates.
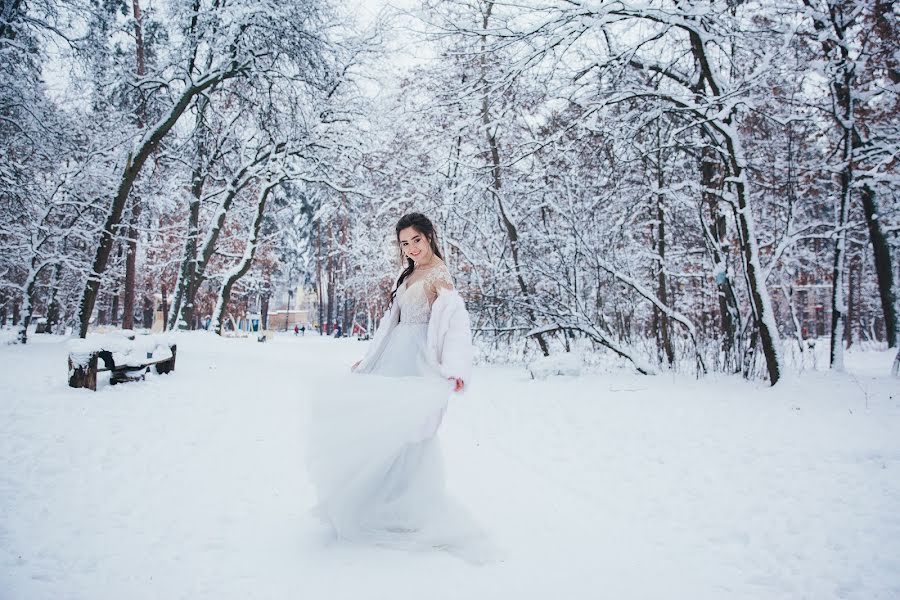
(374, 458)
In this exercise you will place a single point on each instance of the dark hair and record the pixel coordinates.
(423, 225)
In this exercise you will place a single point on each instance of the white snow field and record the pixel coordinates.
(192, 485)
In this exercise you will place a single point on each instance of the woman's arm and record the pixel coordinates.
(450, 337)
(441, 282)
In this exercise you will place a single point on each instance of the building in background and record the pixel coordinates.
(293, 306)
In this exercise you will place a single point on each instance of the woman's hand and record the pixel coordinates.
(356, 364)
(459, 384)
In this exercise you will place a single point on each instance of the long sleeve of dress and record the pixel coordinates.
(450, 335)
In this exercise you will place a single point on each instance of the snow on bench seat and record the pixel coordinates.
(123, 353)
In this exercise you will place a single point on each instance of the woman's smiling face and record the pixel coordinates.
(414, 245)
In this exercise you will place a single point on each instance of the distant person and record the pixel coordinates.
(303, 330)
(296, 330)
(337, 330)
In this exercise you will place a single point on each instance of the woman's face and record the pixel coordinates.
(414, 245)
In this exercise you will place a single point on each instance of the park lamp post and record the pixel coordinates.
(288, 315)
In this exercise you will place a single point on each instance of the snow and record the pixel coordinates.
(125, 351)
(191, 485)
(563, 363)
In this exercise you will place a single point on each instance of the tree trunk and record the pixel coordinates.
(512, 233)
(133, 164)
(717, 236)
(885, 31)
(756, 278)
(319, 282)
(329, 275)
(660, 239)
(841, 92)
(347, 301)
(185, 292)
(148, 314)
(798, 329)
(246, 261)
(165, 306)
(131, 266)
(348, 316)
(114, 309)
(26, 312)
(187, 281)
(764, 319)
(240, 180)
(884, 266)
(832, 28)
(139, 54)
(53, 308)
(131, 257)
(852, 298)
(264, 310)
(187, 284)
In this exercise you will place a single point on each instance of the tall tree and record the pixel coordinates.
(131, 259)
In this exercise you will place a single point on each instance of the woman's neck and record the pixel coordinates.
(433, 261)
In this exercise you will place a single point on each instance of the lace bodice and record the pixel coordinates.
(415, 299)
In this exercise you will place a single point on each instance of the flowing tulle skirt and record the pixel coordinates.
(375, 460)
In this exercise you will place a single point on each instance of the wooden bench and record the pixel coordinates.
(84, 364)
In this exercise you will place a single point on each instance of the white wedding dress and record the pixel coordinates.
(373, 456)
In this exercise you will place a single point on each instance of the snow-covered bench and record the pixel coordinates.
(128, 357)
(567, 363)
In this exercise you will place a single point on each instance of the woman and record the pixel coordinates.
(375, 458)
(426, 330)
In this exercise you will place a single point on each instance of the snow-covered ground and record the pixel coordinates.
(191, 485)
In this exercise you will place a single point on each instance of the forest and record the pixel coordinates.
(696, 185)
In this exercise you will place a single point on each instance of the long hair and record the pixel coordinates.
(423, 225)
